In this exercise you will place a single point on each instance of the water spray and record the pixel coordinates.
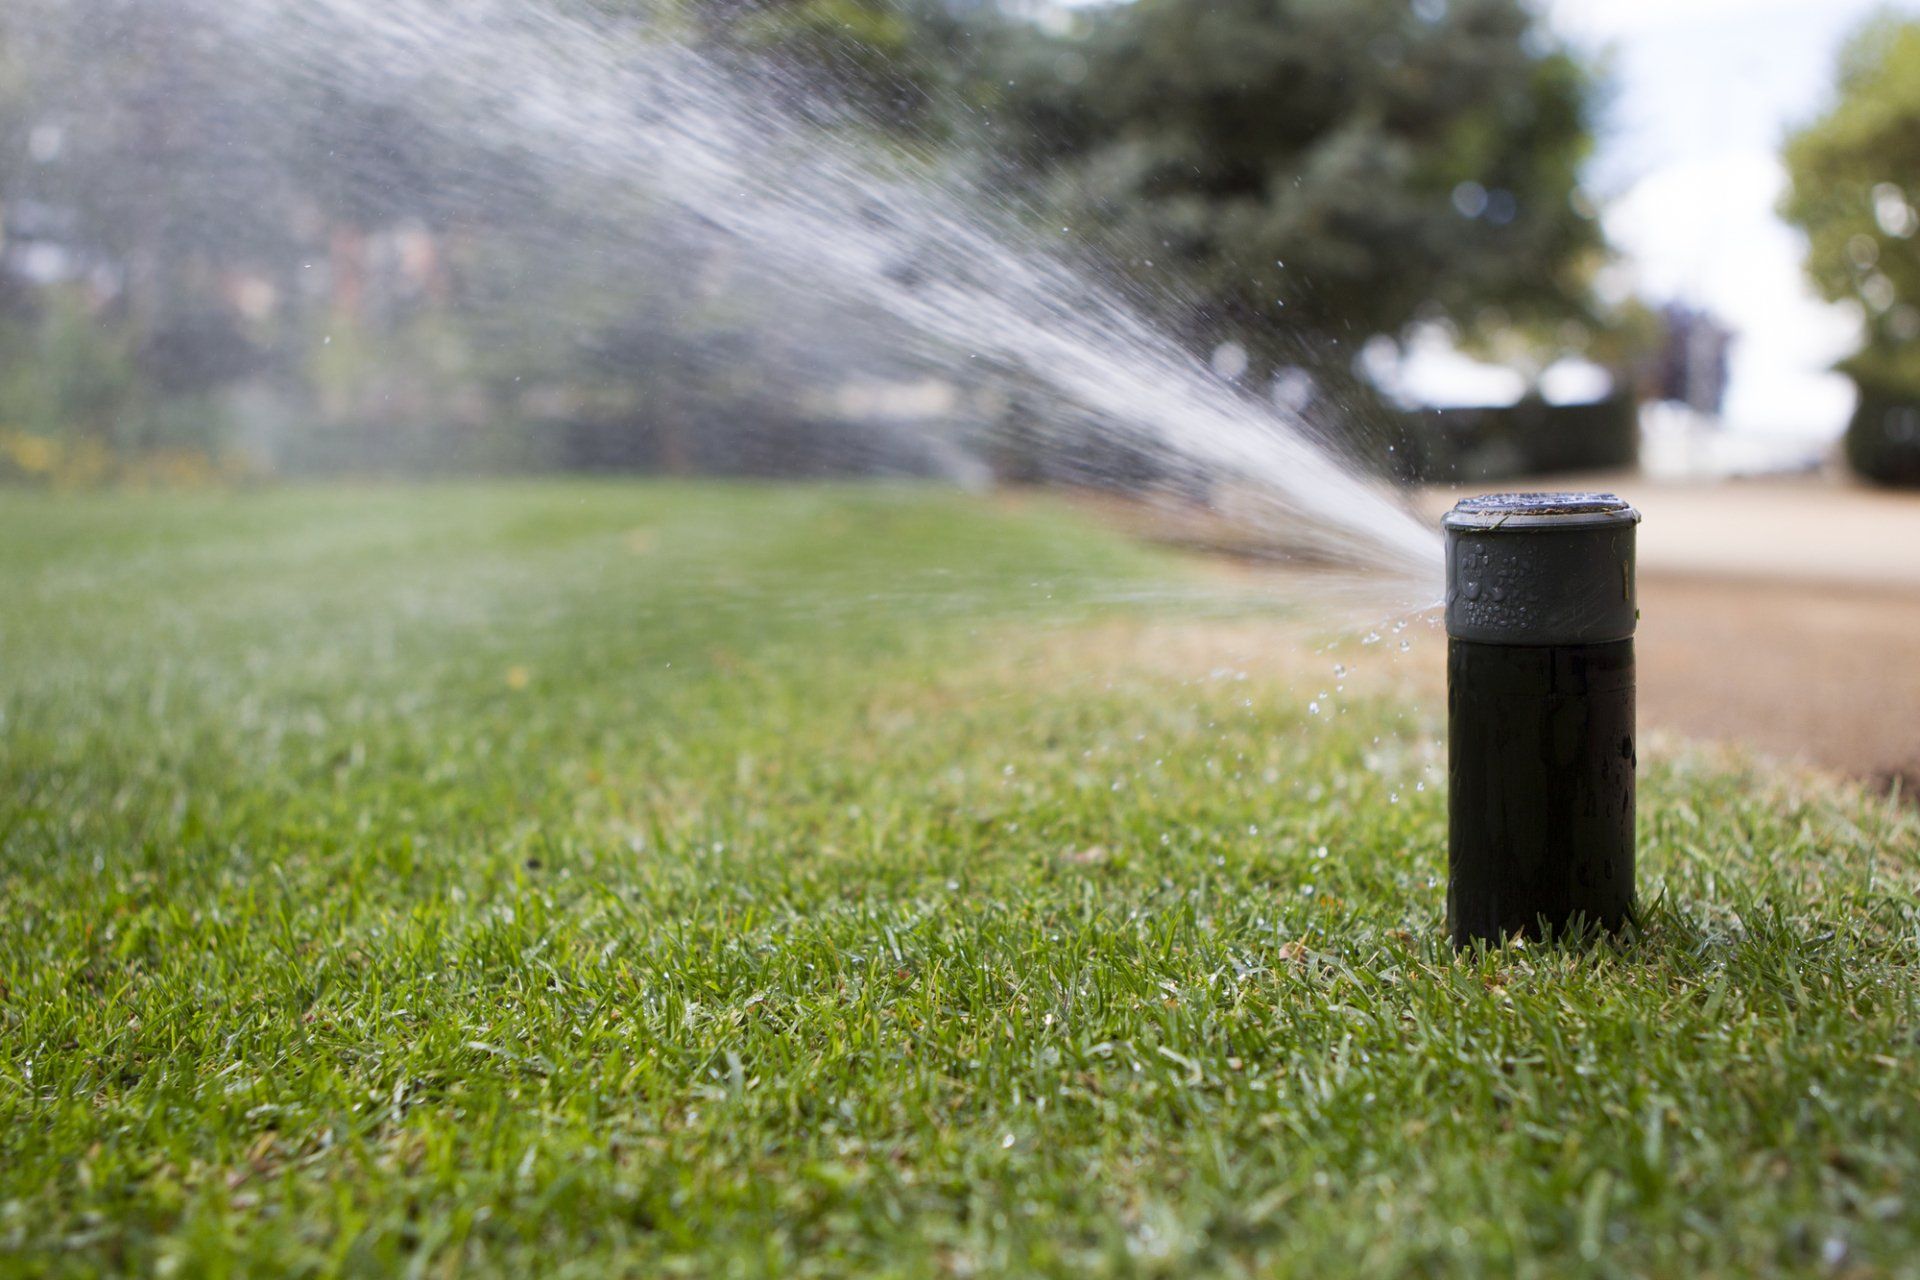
(653, 154)
(1540, 714)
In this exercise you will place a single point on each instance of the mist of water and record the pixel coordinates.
(630, 123)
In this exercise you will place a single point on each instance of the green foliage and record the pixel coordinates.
(78, 407)
(1325, 166)
(909, 66)
(1854, 193)
(68, 372)
(649, 880)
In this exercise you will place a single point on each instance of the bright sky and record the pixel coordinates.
(1689, 171)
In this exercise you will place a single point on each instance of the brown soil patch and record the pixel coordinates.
(1820, 674)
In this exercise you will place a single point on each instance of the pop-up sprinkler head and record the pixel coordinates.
(1540, 724)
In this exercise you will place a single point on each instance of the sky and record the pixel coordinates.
(1688, 169)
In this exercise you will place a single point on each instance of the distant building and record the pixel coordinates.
(1692, 364)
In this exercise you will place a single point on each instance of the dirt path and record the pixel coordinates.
(1827, 675)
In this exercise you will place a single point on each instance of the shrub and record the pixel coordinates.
(1883, 440)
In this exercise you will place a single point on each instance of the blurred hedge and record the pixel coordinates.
(1883, 440)
(1530, 438)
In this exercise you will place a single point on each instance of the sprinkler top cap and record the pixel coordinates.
(1541, 569)
(1493, 512)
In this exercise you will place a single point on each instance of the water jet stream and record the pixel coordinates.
(613, 117)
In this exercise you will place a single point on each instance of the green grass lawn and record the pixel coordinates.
(726, 881)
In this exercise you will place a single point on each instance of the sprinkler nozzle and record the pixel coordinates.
(1541, 608)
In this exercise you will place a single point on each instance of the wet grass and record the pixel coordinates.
(582, 879)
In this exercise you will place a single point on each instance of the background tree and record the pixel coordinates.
(1326, 169)
(1855, 182)
(913, 67)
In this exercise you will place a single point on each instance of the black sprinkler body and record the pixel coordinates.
(1540, 716)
